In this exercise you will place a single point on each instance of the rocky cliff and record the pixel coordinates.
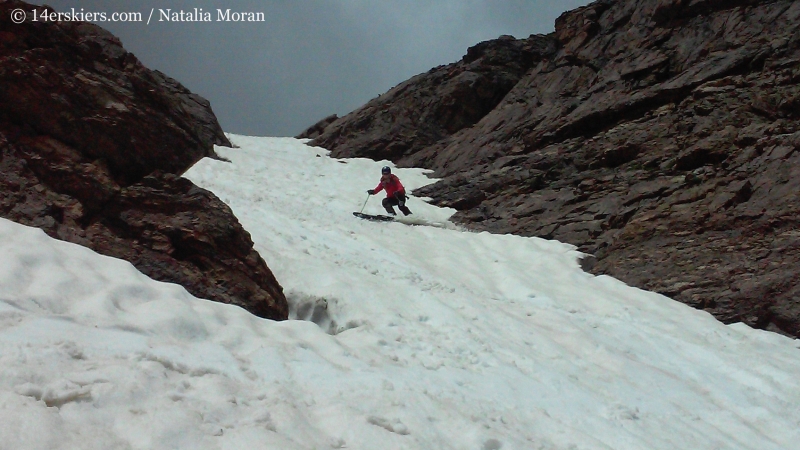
(93, 145)
(661, 136)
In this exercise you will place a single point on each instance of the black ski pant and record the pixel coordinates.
(399, 200)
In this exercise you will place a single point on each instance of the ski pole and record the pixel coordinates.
(365, 204)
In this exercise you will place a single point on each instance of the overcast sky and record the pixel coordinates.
(312, 58)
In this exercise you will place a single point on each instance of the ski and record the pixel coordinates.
(373, 217)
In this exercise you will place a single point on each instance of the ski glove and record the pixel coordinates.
(371, 192)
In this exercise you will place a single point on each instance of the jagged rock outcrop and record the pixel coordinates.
(92, 145)
(314, 131)
(659, 135)
(436, 104)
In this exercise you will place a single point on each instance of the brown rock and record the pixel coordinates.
(92, 144)
(660, 135)
(405, 120)
(186, 235)
(318, 128)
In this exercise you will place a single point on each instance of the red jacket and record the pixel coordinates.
(391, 186)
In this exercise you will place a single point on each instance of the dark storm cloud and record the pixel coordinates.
(312, 58)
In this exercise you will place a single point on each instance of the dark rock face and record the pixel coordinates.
(318, 128)
(659, 135)
(431, 106)
(92, 145)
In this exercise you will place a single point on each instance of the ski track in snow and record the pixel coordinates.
(428, 337)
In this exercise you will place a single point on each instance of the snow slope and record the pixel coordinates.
(425, 337)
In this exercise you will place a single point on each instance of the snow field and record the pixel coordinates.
(428, 337)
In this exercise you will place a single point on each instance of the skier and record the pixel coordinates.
(395, 192)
